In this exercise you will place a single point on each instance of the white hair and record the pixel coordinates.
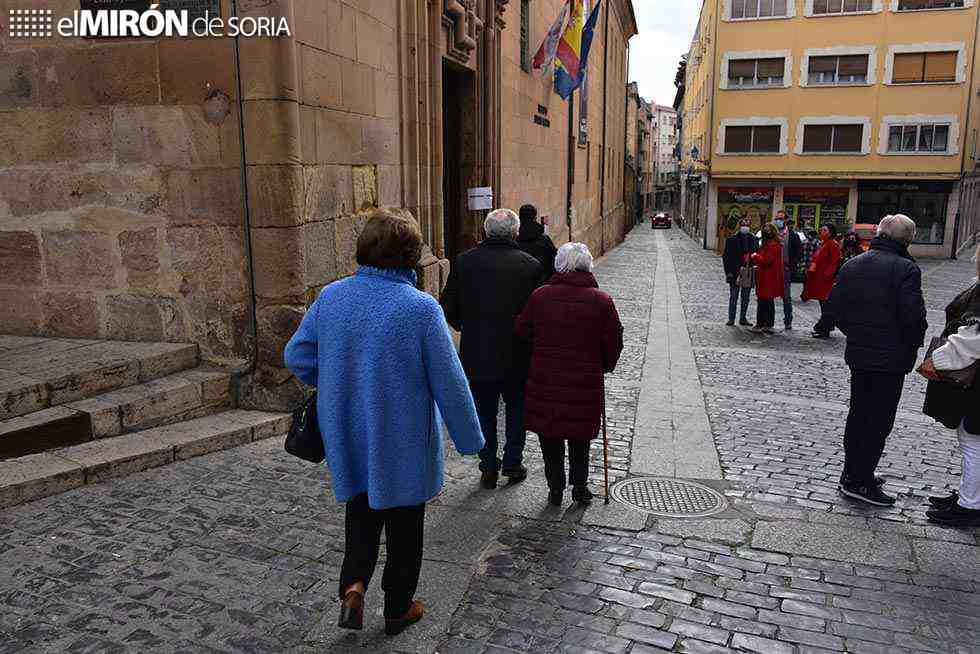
(897, 227)
(573, 257)
(502, 223)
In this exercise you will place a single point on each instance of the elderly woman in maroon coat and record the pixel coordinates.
(576, 338)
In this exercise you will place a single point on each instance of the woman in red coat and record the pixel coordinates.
(576, 338)
(769, 279)
(821, 275)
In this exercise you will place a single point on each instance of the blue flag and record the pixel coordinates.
(565, 83)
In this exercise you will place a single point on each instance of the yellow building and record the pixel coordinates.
(837, 111)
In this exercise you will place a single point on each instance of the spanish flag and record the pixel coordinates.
(573, 50)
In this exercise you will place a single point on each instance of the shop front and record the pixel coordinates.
(812, 207)
(738, 202)
(928, 203)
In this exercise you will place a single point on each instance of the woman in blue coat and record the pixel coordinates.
(381, 356)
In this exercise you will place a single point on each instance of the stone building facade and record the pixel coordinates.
(135, 204)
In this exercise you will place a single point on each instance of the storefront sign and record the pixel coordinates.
(738, 202)
(906, 187)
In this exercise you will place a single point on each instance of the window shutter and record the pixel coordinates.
(820, 6)
(738, 139)
(770, 68)
(853, 65)
(940, 67)
(847, 138)
(741, 68)
(823, 64)
(816, 138)
(909, 67)
(779, 8)
(766, 139)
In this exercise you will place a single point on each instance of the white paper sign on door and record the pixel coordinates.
(480, 198)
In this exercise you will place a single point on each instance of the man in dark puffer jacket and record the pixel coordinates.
(877, 302)
(535, 242)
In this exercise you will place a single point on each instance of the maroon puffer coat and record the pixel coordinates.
(576, 337)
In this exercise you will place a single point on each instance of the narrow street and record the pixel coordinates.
(240, 551)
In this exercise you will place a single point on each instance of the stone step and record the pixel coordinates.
(32, 477)
(38, 373)
(177, 397)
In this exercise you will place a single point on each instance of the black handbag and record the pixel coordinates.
(304, 439)
(947, 402)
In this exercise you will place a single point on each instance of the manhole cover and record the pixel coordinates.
(672, 498)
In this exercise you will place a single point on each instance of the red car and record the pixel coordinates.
(660, 219)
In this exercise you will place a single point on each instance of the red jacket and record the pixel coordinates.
(769, 278)
(820, 280)
(576, 337)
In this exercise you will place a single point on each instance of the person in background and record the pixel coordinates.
(792, 252)
(576, 337)
(769, 278)
(810, 248)
(962, 350)
(877, 302)
(381, 357)
(737, 248)
(820, 277)
(532, 240)
(486, 290)
(850, 247)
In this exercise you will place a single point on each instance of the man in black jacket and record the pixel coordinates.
(737, 247)
(535, 242)
(487, 289)
(877, 302)
(792, 253)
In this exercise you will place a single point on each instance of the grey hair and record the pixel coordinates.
(898, 227)
(573, 257)
(502, 223)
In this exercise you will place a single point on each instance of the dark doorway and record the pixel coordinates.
(460, 229)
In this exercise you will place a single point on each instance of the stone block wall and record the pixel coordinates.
(120, 190)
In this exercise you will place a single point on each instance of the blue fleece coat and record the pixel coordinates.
(381, 356)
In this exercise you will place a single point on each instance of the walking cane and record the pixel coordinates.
(605, 446)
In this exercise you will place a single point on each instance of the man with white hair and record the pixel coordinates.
(487, 288)
(877, 302)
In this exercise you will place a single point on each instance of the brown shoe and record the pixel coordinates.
(352, 611)
(489, 480)
(394, 626)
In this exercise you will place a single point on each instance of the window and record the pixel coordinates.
(841, 6)
(849, 69)
(525, 35)
(914, 5)
(748, 73)
(758, 8)
(918, 138)
(745, 139)
(832, 138)
(918, 67)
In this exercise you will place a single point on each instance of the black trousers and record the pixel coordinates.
(403, 537)
(553, 451)
(824, 325)
(766, 313)
(874, 403)
(486, 395)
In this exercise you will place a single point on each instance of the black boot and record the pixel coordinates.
(582, 495)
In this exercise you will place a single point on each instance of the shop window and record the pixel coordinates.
(925, 202)
(749, 73)
(917, 5)
(832, 138)
(919, 67)
(829, 71)
(525, 35)
(758, 8)
(918, 138)
(751, 139)
(841, 6)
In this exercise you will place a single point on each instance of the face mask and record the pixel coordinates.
(779, 224)
(743, 229)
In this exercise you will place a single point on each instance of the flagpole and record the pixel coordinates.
(571, 162)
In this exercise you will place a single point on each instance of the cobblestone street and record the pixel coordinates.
(240, 551)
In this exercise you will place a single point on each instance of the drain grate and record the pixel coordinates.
(672, 498)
